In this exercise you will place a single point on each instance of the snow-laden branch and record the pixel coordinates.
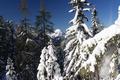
(98, 46)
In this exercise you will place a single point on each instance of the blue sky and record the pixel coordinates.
(107, 11)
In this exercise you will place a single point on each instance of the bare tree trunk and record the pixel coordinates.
(96, 73)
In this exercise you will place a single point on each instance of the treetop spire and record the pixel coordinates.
(24, 7)
(42, 5)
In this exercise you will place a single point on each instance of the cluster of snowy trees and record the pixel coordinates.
(88, 53)
(21, 44)
(42, 53)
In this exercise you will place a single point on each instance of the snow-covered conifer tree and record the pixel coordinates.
(96, 25)
(75, 35)
(11, 74)
(48, 67)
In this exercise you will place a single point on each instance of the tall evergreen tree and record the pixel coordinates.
(3, 47)
(43, 27)
(1, 21)
(7, 39)
(96, 25)
(43, 22)
(25, 46)
(75, 35)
